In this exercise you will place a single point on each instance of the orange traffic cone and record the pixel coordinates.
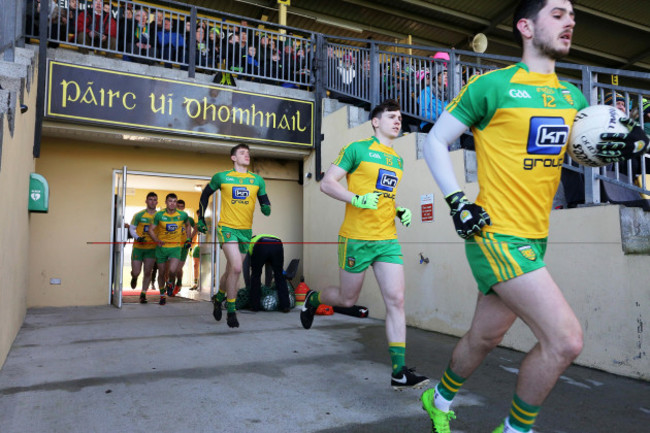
(301, 292)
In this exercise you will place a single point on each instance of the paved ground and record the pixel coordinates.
(147, 368)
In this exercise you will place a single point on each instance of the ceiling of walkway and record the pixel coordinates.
(609, 33)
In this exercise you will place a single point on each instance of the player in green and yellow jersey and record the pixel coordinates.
(368, 235)
(521, 118)
(240, 190)
(144, 248)
(168, 231)
(180, 205)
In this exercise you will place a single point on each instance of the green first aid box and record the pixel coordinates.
(39, 193)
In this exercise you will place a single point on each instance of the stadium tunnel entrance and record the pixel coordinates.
(131, 189)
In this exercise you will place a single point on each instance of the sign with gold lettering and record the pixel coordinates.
(87, 94)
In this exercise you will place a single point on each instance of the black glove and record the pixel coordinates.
(468, 217)
(187, 244)
(140, 239)
(618, 146)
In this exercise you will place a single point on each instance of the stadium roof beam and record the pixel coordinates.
(609, 17)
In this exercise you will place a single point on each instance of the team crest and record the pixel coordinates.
(251, 181)
(527, 252)
(227, 235)
(351, 262)
(567, 96)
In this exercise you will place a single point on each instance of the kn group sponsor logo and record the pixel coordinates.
(546, 139)
(547, 135)
(240, 193)
(386, 180)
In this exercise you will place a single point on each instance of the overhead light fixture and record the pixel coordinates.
(339, 24)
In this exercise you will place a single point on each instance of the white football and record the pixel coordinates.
(585, 133)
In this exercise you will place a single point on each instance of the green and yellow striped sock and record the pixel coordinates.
(397, 355)
(449, 384)
(230, 305)
(220, 296)
(314, 300)
(522, 415)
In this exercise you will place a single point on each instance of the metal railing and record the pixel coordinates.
(11, 28)
(187, 37)
(362, 72)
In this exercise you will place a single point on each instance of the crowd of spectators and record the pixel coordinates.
(151, 36)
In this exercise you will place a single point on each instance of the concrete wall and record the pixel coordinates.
(16, 164)
(607, 289)
(80, 178)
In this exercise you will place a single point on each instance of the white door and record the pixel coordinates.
(119, 236)
(209, 261)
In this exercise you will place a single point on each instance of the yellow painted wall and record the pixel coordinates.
(607, 289)
(16, 165)
(80, 176)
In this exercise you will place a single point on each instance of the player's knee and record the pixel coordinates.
(395, 301)
(569, 346)
(485, 342)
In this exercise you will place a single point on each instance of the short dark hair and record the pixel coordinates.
(387, 105)
(526, 9)
(239, 146)
(181, 202)
(171, 195)
(152, 194)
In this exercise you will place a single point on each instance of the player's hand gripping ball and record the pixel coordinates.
(601, 135)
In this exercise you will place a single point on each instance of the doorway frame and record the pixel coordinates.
(115, 225)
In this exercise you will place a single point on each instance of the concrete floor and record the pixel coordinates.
(147, 368)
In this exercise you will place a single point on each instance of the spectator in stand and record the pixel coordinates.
(96, 28)
(302, 71)
(232, 52)
(159, 24)
(124, 27)
(619, 103)
(433, 98)
(70, 26)
(170, 43)
(289, 67)
(203, 58)
(33, 16)
(272, 67)
(250, 64)
(346, 80)
(243, 39)
(264, 53)
(214, 44)
(140, 42)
